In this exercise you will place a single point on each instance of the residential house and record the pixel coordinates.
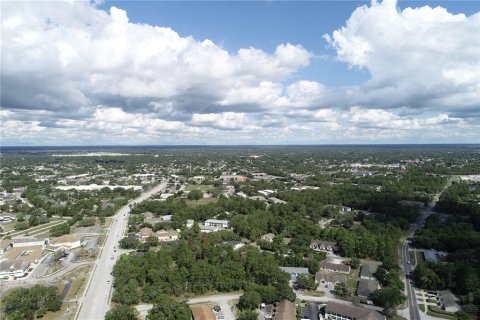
(294, 272)
(309, 312)
(330, 278)
(189, 223)
(216, 223)
(276, 200)
(285, 310)
(144, 233)
(365, 289)
(367, 271)
(339, 311)
(334, 267)
(268, 237)
(167, 235)
(235, 244)
(148, 214)
(209, 229)
(320, 245)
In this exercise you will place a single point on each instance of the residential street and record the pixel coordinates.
(96, 300)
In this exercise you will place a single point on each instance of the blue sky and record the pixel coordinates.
(265, 24)
(240, 72)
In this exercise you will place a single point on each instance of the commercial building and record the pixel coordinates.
(28, 242)
(338, 311)
(13, 268)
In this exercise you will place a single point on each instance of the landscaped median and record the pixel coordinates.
(440, 313)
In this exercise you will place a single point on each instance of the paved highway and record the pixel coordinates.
(405, 264)
(96, 301)
(412, 300)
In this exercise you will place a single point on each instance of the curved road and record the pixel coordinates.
(96, 300)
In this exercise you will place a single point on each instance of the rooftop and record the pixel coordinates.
(353, 312)
(202, 312)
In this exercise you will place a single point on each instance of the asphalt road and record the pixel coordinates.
(407, 268)
(96, 301)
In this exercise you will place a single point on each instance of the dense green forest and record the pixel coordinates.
(30, 303)
(457, 232)
(197, 264)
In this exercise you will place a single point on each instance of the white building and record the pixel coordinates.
(167, 235)
(67, 242)
(190, 223)
(338, 311)
(28, 242)
(13, 268)
(216, 223)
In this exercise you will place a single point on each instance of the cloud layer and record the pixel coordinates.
(74, 74)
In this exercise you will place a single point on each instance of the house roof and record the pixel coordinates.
(323, 243)
(268, 236)
(27, 240)
(330, 277)
(202, 312)
(338, 267)
(146, 231)
(27, 253)
(13, 265)
(285, 310)
(167, 233)
(368, 269)
(294, 270)
(366, 287)
(216, 221)
(353, 312)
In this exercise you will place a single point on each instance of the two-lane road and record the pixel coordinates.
(96, 301)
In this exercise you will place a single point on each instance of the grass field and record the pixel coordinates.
(421, 307)
(201, 202)
(201, 187)
(314, 293)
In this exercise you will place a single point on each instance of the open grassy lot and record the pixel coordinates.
(78, 282)
(201, 202)
(201, 187)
